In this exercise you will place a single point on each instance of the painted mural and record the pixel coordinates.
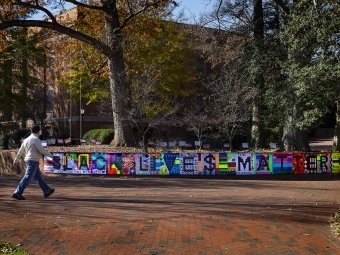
(282, 163)
(217, 163)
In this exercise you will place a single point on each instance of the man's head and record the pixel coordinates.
(35, 129)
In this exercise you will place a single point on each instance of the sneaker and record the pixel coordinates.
(49, 193)
(17, 196)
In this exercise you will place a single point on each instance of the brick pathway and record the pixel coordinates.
(153, 216)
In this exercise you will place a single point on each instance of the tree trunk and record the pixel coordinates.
(118, 89)
(231, 147)
(145, 142)
(257, 137)
(336, 144)
(257, 131)
(45, 94)
(24, 66)
(7, 89)
(294, 139)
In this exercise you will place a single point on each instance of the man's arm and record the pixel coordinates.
(19, 154)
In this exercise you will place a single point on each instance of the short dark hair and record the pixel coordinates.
(35, 129)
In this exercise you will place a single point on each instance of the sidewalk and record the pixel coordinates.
(286, 214)
(321, 144)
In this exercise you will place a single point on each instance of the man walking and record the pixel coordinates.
(33, 150)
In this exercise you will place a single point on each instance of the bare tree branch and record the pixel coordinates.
(36, 6)
(147, 6)
(94, 7)
(217, 14)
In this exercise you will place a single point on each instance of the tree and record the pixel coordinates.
(117, 14)
(286, 41)
(159, 65)
(78, 67)
(240, 33)
(231, 96)
(257, 132)
(198, 117)
(160, 68)
(149, 42)
(35, 106)
(20, 57)
(163, 48)
(148, 108)
(310, 35)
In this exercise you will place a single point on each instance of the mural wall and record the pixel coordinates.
(221, 163)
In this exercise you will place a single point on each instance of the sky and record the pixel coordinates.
(192, 8)
(195, 6)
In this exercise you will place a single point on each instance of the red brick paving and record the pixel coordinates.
(154, 216)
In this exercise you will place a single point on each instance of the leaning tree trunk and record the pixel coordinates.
(336, 144)
(118, 89)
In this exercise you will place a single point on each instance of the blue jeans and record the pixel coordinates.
(32, 171)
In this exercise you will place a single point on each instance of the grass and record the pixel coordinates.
(335, 223)
(8, 248)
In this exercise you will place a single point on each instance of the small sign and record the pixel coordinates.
(182, 143)
(44, 143)
(245, 146)
(272, 145)
(206, 146)
(198, 143)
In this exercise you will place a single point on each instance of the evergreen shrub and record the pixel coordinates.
(4, 142)
(14, 140)
(105, 135)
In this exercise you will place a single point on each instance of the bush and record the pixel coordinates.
(14, 141)
(45, 134)
(105, 136)
(272, 135)
(4, 142)
(9, 248)
(94, 133)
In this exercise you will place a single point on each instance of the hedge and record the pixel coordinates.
(105, 136)
(13, 140)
